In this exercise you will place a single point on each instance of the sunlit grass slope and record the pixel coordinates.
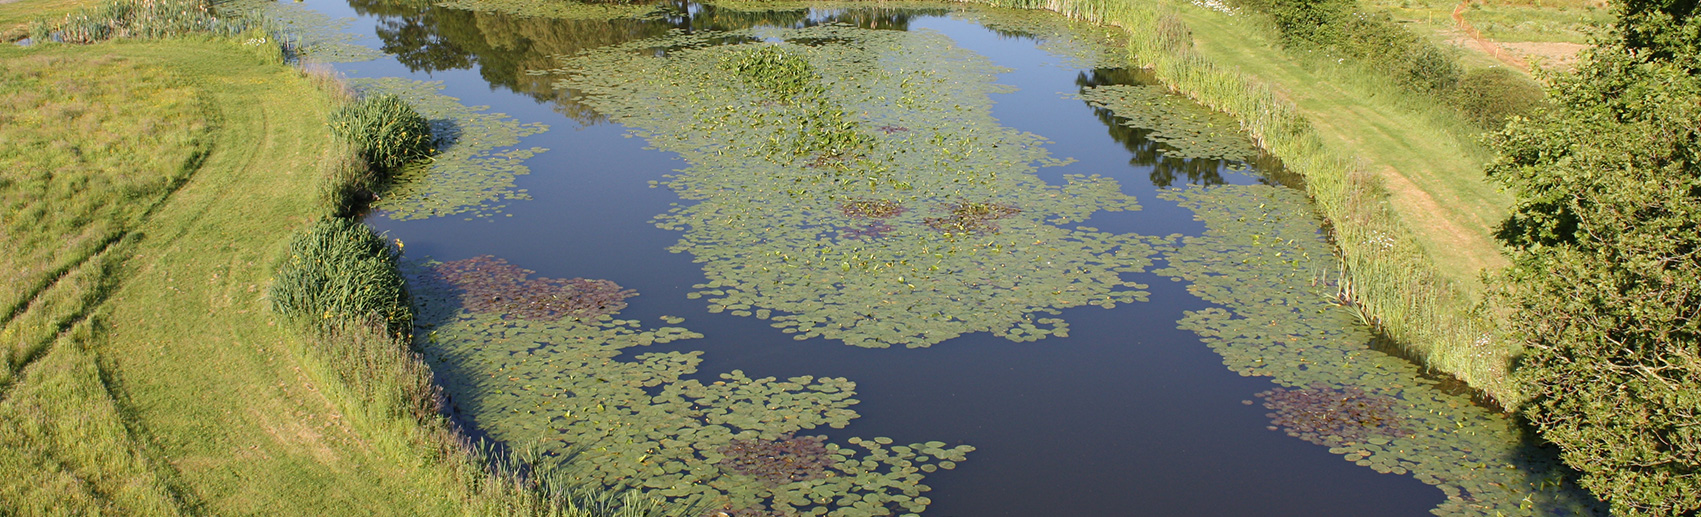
(150, 188)
(1429, 159)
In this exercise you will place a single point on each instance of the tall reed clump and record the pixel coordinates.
(139, 19)
(386, 130)
(339, 271)
(1390, 280)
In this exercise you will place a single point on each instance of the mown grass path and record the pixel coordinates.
(180, 393)
(1433, 174)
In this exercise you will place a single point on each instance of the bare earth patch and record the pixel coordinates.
(1554, 54)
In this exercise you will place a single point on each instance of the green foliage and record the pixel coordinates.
(774, 70)
(1491, 96)
(349, 184)
(339, 271)
(475, 165)
(144, 19)
(1347, 27)
(1662, 30)
(1606, 281)
(386, 130)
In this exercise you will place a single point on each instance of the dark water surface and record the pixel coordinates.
(1127, 415)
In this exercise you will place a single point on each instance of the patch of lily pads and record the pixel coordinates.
(1185, 129)
(1265, 264)
(582, 392)
(781, 138)
(490, 285)
(473, 171)
(305, 32)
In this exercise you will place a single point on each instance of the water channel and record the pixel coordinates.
(1018, 272)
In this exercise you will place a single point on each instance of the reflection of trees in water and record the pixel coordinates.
(1147, 152)
(427, 38)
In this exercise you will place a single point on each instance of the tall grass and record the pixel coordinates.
(141, 19)
(1392, 282)
(385, 129)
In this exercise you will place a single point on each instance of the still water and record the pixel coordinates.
(1018, 272)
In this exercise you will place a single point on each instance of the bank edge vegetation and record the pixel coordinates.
(1604, 286)
(71, 444)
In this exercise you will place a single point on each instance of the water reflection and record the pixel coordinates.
(1143, 150)
(504, 47)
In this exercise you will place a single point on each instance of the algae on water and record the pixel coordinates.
(780, 135)
(569, 386)
(473, 170)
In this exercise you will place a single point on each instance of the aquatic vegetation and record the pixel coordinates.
(967, 217)
(304, 32)
(476, 162)
(487, 284)
(871, 208)
(782, 459)
(1187, 130)
(1079, 44)
(1326, 416)
(783, 235)
(338, 270)
(387, 132)
(1264, 261)
(637, 422)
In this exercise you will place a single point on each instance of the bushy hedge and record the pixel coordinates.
(386, 130)
(1347, 27)
(1491, 96)
(1606, 279)
(339, 271)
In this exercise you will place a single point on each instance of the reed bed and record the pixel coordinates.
(1388, 277)
(139, 19)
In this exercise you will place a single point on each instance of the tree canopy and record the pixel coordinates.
(1606, 275)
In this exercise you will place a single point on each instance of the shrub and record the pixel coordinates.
(1491, 96)
(339, 271)
(386, 130)
(1370, 37)
(1606, 276)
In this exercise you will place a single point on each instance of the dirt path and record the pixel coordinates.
(1487, 46)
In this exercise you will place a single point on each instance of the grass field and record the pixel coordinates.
(149, 378)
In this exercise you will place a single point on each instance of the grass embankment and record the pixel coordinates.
(149, 378)
(151, 191)
(1401, 185)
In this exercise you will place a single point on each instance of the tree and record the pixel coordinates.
(1606, 275)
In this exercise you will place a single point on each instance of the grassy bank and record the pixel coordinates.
(151, 190)
(148, 379)
(1399, 183)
